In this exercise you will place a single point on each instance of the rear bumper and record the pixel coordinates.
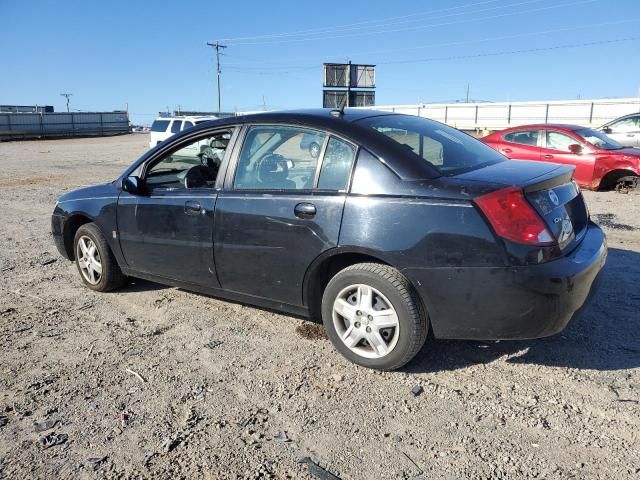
(511, 302)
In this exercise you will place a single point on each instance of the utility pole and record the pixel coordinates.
(66, 95)
(467, 99)
(218, 47)
(349, 84)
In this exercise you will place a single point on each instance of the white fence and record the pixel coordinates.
(496, 116)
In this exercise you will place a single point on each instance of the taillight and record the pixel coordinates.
(513, 218)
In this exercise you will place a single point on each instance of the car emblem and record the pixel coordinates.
(554, 198)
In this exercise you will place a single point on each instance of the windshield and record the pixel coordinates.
(598, 139)
(447, 149)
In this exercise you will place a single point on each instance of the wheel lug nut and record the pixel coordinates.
(368, 329)
(357, 324)
(358, 312)
(370, 317)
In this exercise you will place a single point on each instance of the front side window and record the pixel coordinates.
(192, 165)
(160, 126)
(175, 126)
(523, 137)
(559, 141)
(598, 139)
(447, 149)
(631, 124)
(336, 165)
(277, 158)
(186, 125)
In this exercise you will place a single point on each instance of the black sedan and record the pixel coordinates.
(395, 226)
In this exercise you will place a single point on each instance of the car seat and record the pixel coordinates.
(273, 172)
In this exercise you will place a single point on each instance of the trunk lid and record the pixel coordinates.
(550, 190)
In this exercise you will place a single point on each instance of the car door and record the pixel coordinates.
(166, 229)
(556, 149)
(625, 131)
(281, 207)
(521, 144)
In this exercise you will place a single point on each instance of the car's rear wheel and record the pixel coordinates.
(95, 261)
(373, 317)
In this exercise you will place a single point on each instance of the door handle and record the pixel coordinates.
(547, 156)
(305, 210)
(506, 150)
(191, 207)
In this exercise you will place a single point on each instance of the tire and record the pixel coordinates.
(347, 292)
(110, 277)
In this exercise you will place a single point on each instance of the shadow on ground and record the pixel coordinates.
(603, 337)
(138, 285)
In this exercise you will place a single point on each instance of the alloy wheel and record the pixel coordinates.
(88, 258)
(366, 321)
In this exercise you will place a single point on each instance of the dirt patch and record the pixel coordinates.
(311, 331)
(31, 181)
(225, 391)
(608, 220)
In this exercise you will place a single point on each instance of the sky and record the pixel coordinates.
(152, 55)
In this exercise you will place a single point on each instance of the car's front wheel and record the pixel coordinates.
(95, 261)
(373, 317)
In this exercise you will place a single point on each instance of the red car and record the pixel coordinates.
(600, 161)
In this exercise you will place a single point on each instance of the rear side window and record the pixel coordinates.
(160, 126)
(448, 150)
(523, 137)
(175, 126)
(277, 158)
(336, 166)
(186, 125)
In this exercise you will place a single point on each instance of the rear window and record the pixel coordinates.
(160, 126)
(447, 149)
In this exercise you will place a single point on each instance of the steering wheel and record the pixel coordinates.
(269, 164)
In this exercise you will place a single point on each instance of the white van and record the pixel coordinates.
(165, 127)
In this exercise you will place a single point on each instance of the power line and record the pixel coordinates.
(502, 37)
(513, 52)
(419, 27)
(477, 55)
(252, 64)
(413, 17)
(218, 46)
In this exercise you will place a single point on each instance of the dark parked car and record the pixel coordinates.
(401, 225)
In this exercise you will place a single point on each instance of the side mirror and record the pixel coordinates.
(575, 148)
(132, 184)
(606, 130)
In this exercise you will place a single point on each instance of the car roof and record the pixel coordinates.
(188, 117)
(623, 117)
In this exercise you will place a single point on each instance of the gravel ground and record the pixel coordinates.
(156, 382)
